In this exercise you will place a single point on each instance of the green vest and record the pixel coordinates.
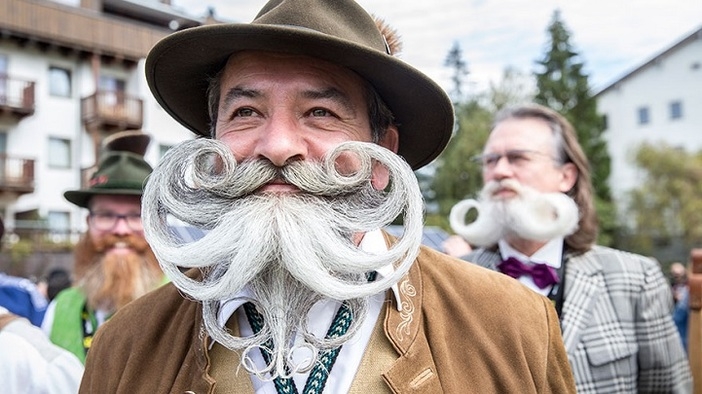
(67, 328)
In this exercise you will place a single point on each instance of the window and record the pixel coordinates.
(605, 122)
(644, 117)
(59, 153)
(59, 225)
(112, 89)
(59, 82)
(676, 111)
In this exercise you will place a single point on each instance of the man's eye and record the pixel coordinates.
(517, 157)
(244, 112)
(320, 112)
(491, 159)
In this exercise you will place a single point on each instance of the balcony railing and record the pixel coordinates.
(16, 174)
(112, 110)
(80, 29)
(16, 96)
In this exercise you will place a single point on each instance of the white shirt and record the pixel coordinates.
(320, 318)
(30, 363)
(550, 254)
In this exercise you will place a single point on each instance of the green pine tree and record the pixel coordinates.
(563, 86)
(459, 68)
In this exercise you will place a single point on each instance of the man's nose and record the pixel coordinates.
(121, 227)
(501, 170)
(282, 141)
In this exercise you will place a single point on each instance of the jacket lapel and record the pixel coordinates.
(414, 370)
(584, 283)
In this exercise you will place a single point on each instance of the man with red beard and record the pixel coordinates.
(113, 262)
(536, 222)
(314, 130)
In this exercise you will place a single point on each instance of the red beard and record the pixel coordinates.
(111, 280)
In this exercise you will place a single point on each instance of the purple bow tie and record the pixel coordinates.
(542, 274)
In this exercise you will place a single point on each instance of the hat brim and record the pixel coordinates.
(179, 66)
(81, 198)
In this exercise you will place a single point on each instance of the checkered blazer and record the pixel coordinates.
(617, 323)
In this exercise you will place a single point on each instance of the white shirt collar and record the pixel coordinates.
(550, 254)
(373, 241)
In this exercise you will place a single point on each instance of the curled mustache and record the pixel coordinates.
(196, 192)
(530, 215)
(289, 250)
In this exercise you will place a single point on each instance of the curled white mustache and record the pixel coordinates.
(530, 215)
(192, 193)
(290, 249)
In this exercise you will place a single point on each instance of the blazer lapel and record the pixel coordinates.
(584, 283)
(414, 370)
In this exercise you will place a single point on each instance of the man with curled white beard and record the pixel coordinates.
(315, 129)
(536, 222)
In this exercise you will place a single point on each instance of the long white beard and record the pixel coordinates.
(290, 250)
(529, 215)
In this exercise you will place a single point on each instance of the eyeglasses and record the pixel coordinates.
(515, 158)
(106, 221)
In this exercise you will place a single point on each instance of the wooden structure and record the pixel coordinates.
(694, 343)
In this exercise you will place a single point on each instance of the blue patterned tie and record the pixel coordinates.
(317, 378)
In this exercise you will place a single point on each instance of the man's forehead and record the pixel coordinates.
(520, 134)
(285, 64)
(103, 201)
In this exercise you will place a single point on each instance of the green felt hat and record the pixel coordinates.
(122, 169)
(178, 67)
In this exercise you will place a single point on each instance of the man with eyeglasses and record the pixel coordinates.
(537, 223)
(113, 262)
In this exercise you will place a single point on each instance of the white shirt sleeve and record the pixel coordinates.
(30, 363)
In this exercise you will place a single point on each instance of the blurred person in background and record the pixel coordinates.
(21, 296)
(30, 363)
(113, 262)
(536, 223)
(681, 298)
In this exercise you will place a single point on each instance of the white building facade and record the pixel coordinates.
(71, 75)
(659, 102)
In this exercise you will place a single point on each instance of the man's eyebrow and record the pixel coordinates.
(333, 94)
(238, 92)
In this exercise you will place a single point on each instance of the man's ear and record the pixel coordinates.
(390, 141)
(569, 175)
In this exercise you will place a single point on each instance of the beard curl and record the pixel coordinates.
(289, 250)
(529, 215)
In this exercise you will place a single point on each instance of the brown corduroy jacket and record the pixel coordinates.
(460, 329)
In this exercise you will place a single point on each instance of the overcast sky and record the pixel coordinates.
(612, 36)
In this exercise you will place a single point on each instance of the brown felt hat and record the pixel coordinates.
(122, 169)
(339, 31)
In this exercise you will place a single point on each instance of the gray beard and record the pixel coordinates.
(289, 250)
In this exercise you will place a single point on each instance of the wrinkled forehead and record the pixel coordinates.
(272, 63)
